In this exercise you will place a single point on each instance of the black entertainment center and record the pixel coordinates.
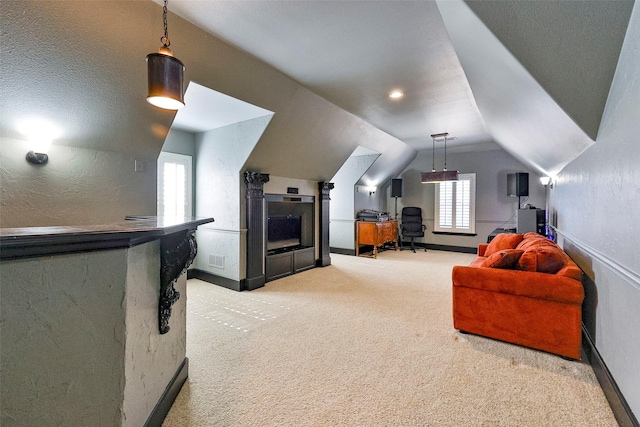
(289, 226)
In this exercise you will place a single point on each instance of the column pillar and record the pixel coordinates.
(325, 255)
(255, 229)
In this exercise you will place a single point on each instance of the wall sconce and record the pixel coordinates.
(546, 181)
(371, 190)
(165, 74)
(40, 133)
(38, 156)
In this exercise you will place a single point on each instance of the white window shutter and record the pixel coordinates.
(174, 185)
(455, 205)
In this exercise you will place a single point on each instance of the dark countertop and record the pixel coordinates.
(134, 230)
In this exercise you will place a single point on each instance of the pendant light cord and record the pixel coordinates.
(165, 39)
(433, 149)
(433, 155)
(445, 152)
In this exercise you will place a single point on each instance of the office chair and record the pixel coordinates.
(412, 225)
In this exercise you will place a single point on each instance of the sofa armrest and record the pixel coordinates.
(523, 283)
(482, 248)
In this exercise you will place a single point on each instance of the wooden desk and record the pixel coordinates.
(376, 234)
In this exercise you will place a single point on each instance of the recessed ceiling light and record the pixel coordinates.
(396, 94)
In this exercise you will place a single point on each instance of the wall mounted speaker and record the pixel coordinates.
(518, 184)
(396, 188)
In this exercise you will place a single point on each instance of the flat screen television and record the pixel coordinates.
(518, 184)
(283, 232)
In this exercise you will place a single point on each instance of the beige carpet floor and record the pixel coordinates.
(367, 342)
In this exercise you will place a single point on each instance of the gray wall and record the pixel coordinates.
(57, 65)
(365, 199)
(595, 203)
(342, 208)
(219, 189)
(80, 339)
(493, 207)
(63, 341)
(151, 359)
(180, 142)
(78, 186)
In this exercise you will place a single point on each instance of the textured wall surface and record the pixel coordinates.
(80, 339)
(151, 359)
(77, 186)
(63, 339)
(220, 156)
(57, 66)
(595, 202)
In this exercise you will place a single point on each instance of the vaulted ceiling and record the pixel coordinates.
(531, 76)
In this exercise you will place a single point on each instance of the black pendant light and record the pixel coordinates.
(443, 175)
(166, 74)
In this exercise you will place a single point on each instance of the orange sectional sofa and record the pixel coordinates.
(523, 289)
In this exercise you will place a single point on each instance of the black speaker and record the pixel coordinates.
(518, 184)
(396, 188)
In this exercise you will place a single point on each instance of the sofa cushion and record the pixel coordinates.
(502, 241)
(531, 240)
(534, 243)
(506, 258)
(542, 258)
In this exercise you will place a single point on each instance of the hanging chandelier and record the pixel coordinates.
(443, 175)
(166, 74)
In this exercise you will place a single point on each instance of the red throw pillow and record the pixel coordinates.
(543, 259)
(506, 258)
(502, 241)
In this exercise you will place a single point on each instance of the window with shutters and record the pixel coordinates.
(174, 185)
(455, 205)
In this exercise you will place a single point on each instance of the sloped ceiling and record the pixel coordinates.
(570, 48)
(532, 76)
(518, 110)
(205, 109)
(353, 53)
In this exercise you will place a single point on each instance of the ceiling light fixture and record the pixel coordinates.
(166, 74)
(396, 94)
(441, 176)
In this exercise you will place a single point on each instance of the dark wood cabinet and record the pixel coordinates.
(376, 234)
(289, 262)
